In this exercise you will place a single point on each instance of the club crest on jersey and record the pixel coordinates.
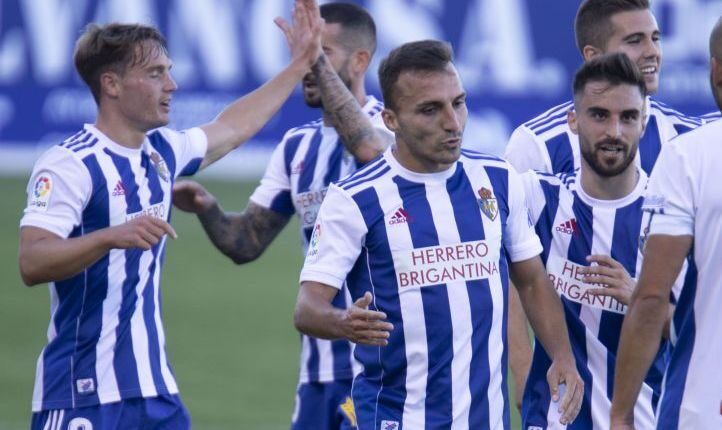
(160, 166)
(487, 203)
(85, 386)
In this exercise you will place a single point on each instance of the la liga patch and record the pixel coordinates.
(41, 191)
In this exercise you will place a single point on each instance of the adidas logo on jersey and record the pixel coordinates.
(119, 189)
(400, 217)
(568, 227)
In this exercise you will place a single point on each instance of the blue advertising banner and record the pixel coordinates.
(516, 59)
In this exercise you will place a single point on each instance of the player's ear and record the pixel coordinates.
(590, 52)
(572, 121)
(716, 73)
(110, 84)
(390, 119)
(360, 61)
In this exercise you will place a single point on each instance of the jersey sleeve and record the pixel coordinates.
(670, 196)
(533, 193)
(274, 191)
(58, 191)
(520, 240)
(523, 152)
(189, 147)
(336, 241)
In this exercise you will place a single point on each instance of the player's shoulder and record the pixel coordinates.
(711, 117)
(471, 157)
(367, 176)
(302, 130)
(553, 119)
(662, 110)
(73, 149)
(565, 180)
(706, 135)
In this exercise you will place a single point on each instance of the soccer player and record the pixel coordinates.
(683, 198)
(303, 165)
(96, 225)
(590, 223)
(426, 237)
(546, 143)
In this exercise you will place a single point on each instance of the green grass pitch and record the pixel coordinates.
(230, 335)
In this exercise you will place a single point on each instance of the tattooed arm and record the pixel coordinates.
(359, 136)
(241, 236)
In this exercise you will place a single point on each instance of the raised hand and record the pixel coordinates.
(304, 35)
(564, 372)
(613, 277)
(142, 232)
(363, 326)
(190, 196)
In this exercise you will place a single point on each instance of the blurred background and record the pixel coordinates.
(230, 333)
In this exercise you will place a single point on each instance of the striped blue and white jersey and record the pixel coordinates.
(303, 165)
(433, 249)
(547, 144)
(685, 197)
(573, 225)
(105, 339)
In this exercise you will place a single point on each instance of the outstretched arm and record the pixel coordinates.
(243, 118)
(242, 237)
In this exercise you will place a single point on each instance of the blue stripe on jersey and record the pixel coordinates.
(312, 365)
(362, 180)
(283, 203)
(627, 225)
(682, 129)
(691, 121)
(676, 377)
(158, 142)
(87, 145)
(474, 155)
(151, 174)
(551, 112)
(555, 118)
(93, 283)
(124, 360)
(579, 247)
(334, 164)
(362, 175)
(380, 391)
(560, 153)
(499, 178)
(649, 145)
(78, 140)
(192, 167)
(545, 224)
(149, 321)
(72, 138)
(437, 313)
(309, 163)
(289, 151)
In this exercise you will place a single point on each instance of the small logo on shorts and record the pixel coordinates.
(85, 386)
(389, 425)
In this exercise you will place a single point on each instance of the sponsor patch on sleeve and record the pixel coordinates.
(41, 191)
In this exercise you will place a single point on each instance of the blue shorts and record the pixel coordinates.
(157, 413)
(324, 406)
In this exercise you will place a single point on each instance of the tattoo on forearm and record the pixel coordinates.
(243, 236)
(347, 117)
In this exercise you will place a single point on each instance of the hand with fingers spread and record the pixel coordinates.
(564, 372)
(363, 326)
(190, 196)
(304, 34)
(611, 275)
(143, 232)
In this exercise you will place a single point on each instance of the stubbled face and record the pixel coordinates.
(636, 34)
(145, 90)
(339, 57)
(429, 118)
(609, 121)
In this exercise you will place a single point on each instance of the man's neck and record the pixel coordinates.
(609, 187)
(119, 131)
